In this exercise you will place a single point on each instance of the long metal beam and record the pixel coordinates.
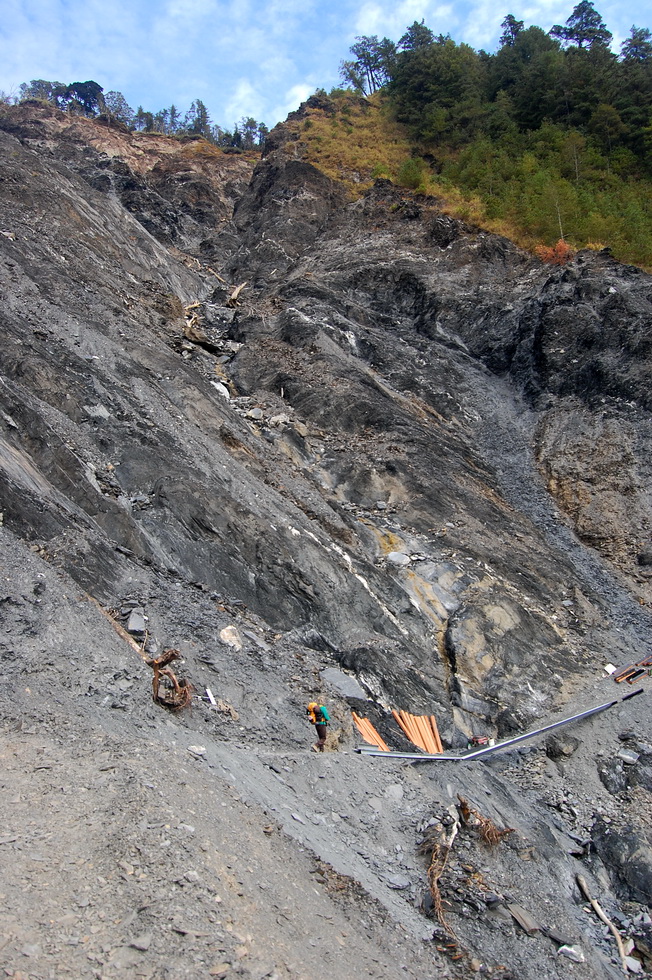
(488, 750)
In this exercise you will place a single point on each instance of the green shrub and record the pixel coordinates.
(411, 173)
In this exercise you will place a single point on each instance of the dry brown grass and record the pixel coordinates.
(360, 141)
(355, 144)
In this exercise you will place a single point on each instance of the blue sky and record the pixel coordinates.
(241, 57)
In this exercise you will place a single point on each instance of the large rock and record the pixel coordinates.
(627, 852)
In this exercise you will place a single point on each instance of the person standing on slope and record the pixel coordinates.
(320, 718)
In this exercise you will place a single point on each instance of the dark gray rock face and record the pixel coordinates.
(628, 854)
(368, 437)
(374, 344)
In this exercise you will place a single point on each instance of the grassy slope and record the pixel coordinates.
(356, 140)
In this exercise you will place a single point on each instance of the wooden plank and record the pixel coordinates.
(432, 745)
(435, 732)
(369, 733)
(425, 734)
(527, 922)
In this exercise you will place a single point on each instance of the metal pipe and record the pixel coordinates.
(469, 756)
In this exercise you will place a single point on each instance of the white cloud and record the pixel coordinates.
(481, 27)
(240, 57)
(392, 20)
(244, 101)
(291, 101)
(189, 10)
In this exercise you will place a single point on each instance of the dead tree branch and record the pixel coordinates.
(180, 694)
(584, 888)
(486, 828)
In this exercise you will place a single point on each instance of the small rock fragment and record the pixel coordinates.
(136, 621)
(633, 965)
(231, 637)
(398, 882)
(398, 558)
(219, 970)
(573, 953)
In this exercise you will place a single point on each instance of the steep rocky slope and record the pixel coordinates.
(308, 441)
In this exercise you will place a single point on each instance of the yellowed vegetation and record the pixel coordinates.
(355, 144)
(201, 149)
(360, 141)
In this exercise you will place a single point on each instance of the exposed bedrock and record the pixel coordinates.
(305, 438)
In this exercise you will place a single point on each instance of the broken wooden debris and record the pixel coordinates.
(233, 298)
(527, 923)
(368, 732)
(632, 672)
(179, 695)
(217, 276)
(120, 630)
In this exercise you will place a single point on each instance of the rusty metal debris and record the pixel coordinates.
(439, 853)
(176, 696)
(179, 695)
(633, 672)
(439, 846)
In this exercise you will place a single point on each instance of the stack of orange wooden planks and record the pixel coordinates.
(421, 730)
(368, 732)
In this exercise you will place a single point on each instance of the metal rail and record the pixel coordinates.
(488, 750)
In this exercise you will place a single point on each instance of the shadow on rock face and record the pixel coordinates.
(627, 853)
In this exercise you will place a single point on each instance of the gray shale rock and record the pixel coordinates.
(381, 352)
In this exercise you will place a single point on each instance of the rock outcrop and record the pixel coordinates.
(364, 434)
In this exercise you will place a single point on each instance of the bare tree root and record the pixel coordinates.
(439, 851)
(179, 695)
(485, 827)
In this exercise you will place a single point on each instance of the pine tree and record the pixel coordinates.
(584, 27)
(417, 36)
(638, 46)
(372, 66)
(117, 108)
(511, 30)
